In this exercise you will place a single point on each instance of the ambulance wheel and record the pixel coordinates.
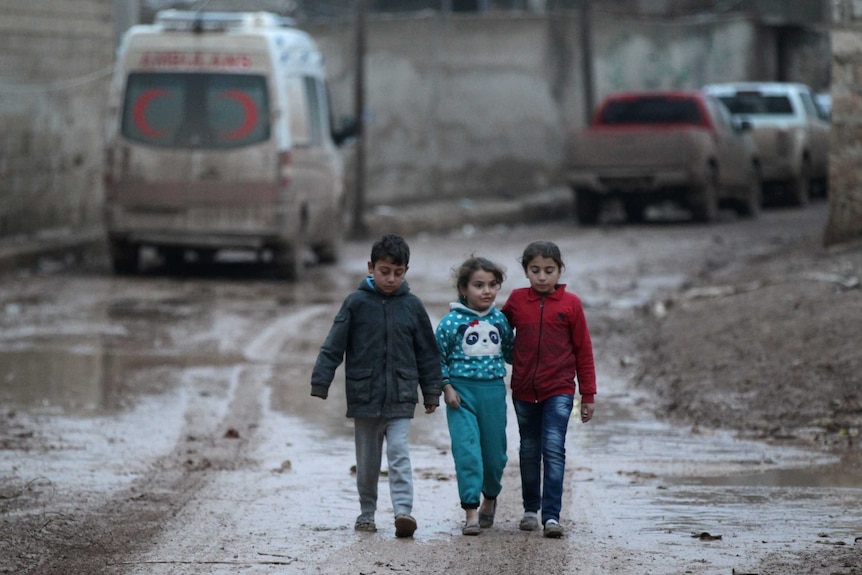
(327, 253)
(287, 262)
(125, 257)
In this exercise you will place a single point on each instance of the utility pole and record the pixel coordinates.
(587, 58)
(358, 227)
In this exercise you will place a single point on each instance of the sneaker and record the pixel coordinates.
(529, 522)
(553, 529)
(365, 522)
(405, 525)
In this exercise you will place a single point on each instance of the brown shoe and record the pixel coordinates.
(405, 525)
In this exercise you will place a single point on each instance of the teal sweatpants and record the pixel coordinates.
(478, 431)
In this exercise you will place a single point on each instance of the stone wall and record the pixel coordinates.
(55, 59)
(845, 170)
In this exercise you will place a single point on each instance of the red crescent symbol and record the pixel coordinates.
(250, 115)
(139, 113)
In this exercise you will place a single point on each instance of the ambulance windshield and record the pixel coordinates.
(196, 110)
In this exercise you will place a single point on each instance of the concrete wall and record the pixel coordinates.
(455, 105)
(685, 54)
(845, 157)
(54, 66)
(473, 106)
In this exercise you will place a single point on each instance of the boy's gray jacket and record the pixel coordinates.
(389, 350)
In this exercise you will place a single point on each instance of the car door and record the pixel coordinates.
(316, 165)
(818, 135)
(733, 147)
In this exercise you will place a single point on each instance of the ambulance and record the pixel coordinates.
(219, 140)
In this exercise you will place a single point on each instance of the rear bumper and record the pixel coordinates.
(777, 170)
(249, 228)
(632, 182)
(197, 241)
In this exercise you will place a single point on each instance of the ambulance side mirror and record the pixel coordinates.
(348, 129)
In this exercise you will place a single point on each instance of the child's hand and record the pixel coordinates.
(587, 412)
(451, 397)
(430, 408)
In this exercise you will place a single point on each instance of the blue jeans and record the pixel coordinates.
(543, 452)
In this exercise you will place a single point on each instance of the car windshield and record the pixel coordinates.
(196, 110)
(757, 103)
(651, 110)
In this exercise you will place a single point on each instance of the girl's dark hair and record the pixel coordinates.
(542, 249)
(474, 264)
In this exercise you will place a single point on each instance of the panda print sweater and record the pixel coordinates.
(474, 345)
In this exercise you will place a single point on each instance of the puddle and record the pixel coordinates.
(65, 379)
(89, 379)
(665, 484)
(827, 476)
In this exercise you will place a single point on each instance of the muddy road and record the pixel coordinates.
(163, 425)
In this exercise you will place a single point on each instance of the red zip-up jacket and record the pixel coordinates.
(553, 348)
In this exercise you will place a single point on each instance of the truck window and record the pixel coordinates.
(308, 115)
(652, 110)
(757, 103)
(196, 110)
(811, 109)
(721, 116)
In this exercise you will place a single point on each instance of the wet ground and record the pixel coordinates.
(163, 424)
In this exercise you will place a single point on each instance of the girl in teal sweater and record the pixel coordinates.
(475, 342)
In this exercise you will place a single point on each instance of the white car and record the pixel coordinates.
(790, 130)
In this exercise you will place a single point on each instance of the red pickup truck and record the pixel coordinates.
(643, 148)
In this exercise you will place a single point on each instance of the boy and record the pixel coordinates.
(390, 348)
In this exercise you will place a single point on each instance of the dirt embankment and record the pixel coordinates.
(771, 348)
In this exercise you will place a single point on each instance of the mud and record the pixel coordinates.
(162, 424)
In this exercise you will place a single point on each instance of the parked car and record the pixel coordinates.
(790, 130)
(648, 147)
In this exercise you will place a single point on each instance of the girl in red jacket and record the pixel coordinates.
(553, 356)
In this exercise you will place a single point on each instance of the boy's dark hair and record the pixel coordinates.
(543, 249)
(474, 264)
(391, 247)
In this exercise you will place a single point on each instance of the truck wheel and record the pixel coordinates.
(206, 257)
(588, 206)
(287, 261)
(173, 258)
(799, 189)
(124, 257)
(635, 211)
(704, 201)
(750, 205)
